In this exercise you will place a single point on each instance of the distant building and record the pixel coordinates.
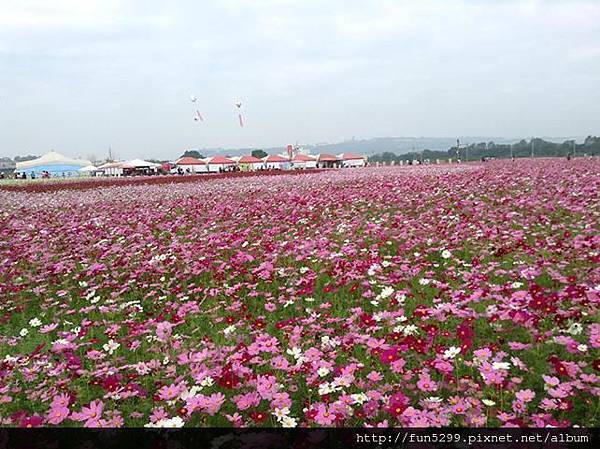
(7, 165)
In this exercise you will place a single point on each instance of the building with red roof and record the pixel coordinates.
(276, 162)
(300, 161)
(352, 160)
(192, 164)
(219, 163)
(248, 163)
(325, 160)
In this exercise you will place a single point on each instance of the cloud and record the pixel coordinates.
(86, 75)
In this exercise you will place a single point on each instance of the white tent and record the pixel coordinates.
(111, 169)
(89, 168)
(139, 163)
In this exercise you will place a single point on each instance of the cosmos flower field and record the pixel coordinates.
(462, 295)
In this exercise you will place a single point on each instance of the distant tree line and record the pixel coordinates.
(476, 151)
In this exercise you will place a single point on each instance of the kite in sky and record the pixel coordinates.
(238, 104)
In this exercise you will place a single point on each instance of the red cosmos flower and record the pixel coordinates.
(310, 414)
(558, 366)
(228, 380)
(31, 421)
(431, 329)
(367, 320)
(395, 336)
(421, 311)
(258, 417)
(388, 356)
(596, 364)
(259, 324)
(359, 413)
(110, 383)
(397, 404)
(464, 331)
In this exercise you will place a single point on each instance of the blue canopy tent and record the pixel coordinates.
(55, 164)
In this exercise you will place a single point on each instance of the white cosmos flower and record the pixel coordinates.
(229, 329)
(386, 292)
(35, 322)
(575, 329)
(488, 402)
(207, 381)
(111, 346)
(281, 413)
(323, 371)
(451, 352)
(410, 329)
(516, 285)
(288, 421)
(294, 352)
(501, 365)
(446, 254)
(174, 422)
(424, 281)
(23, 332)
(360, 398)
(373, 270)
(325, 388)
(582, 348)
(434, 399)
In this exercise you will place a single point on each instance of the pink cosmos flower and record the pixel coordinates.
(164, 330)
(90, 414)
(525, 395)
(169, 392)
(57, 414)
(323, 416)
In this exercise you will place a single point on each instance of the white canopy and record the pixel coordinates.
(51, 158)
(139, 163)
(89, 168)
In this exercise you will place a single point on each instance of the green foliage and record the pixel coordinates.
(259, 153)
(193, 153)
(475, 151)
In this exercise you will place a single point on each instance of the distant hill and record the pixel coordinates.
(396, 145)
(523, 148)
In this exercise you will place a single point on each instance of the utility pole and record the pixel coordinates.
(532, 146)
(574, 147)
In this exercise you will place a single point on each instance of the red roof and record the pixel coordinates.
(220, 160)
(327, 158)
(274, 158)
(351, 156)
(190, 161)
(302, 158)
(249, 160)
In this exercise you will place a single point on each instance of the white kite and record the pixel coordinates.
(238, 104)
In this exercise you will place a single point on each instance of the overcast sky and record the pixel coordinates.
(79, 76)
